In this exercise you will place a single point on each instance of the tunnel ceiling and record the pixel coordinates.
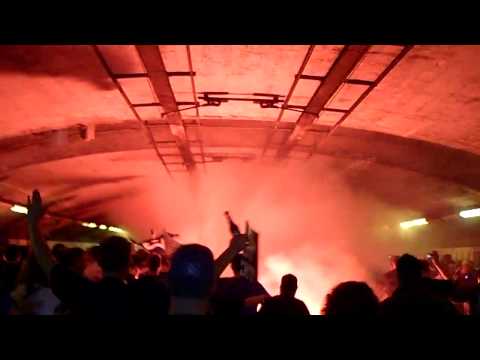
(76, 119)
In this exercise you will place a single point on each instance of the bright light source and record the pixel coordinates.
(89, 225)
(412, 223)
(116, 230)
(469, 213)
(19, 209)
(103, 227)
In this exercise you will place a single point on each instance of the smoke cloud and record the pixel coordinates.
(311, 222)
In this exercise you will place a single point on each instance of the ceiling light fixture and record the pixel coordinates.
(91, 225)
(19, 209)
(415, 222)
(469, 213)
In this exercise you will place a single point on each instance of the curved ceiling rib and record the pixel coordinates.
(431, 159)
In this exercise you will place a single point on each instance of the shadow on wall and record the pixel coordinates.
(78, 62)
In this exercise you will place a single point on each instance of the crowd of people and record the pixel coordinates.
(112, 280)
(457, 281)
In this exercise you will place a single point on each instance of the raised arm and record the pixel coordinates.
(238, 243)
(40, 248)
(171, 245)
(439, 269)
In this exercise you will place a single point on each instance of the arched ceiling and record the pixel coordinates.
(416, 127)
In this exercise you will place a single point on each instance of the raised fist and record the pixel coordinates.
(35, 209)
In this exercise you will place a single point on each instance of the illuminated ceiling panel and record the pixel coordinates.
(346, 96)
(290, 116)
(303, 92)
(138, 90)
(150, 113)
(328, 118)
(174, 57)
(375, 61)
(182, 88)
(322, 59)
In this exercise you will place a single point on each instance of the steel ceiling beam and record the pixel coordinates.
(159, 78)
(343, 65)
(145, 128)
(300, 71)
(346, 113)
(195, 100)
(373, 84)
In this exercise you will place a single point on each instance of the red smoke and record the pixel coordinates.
(311, 224)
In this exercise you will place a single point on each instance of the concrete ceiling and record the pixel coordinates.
(417, 131)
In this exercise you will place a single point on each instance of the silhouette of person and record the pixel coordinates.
(351, 298)
(417, 295)
(238, 295)
(191, 280)
(285, 303)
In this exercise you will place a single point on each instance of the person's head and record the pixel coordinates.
(165, 264)
(12, 254)
(409, 269)
(467, 267)
(154, 263)
(115, 256)
(288, 287)
(393, 261)
(24, 252)
(92, 270)
(74, 259)
(140, 258)
(447, 259)
(164, 259)
(435, 255)
(237, 264)
(428, 269)
(192, 273)
(351, 298)
(139, 261)
(58, 251)
(93, 253)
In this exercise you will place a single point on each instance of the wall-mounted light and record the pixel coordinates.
(412, 223)
(91, 225)
(19, 209)
(469, 213)
(116, 230)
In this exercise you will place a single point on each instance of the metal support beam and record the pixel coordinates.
(145, 75)
(195, 100)
(384, 73)
(153, 62)
(305, 61)
(157, 104)
(346, 61)
(347, 113)
(347, 81)
(145, 127)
